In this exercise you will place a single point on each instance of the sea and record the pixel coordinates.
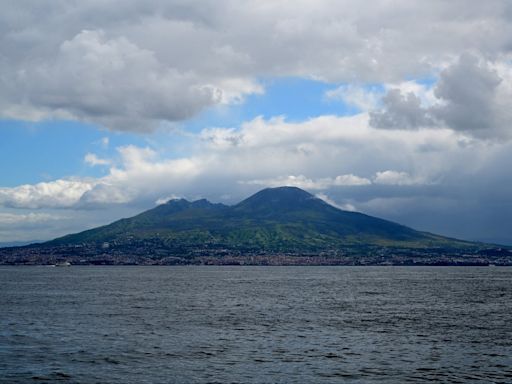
(106, 324)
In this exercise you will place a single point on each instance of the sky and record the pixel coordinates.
(397, 109)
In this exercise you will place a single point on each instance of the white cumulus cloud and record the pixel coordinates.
(54, 194)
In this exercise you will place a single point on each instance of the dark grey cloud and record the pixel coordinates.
(401, 112)
(468, 91)
(470, 96)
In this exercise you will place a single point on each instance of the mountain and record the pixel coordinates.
(274, 219)
(273, 224)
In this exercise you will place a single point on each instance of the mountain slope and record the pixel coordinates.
(284, 219)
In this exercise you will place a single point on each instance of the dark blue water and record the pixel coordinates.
(255, 325)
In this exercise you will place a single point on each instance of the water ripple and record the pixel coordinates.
(255, 325)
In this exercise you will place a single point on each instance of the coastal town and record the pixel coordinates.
(147, 253)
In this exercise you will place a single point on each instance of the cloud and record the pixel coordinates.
(416, 177)
(334, 152)
(128, 69)
(10, 219)
(23, 226)
(471, 95)
(350, 180)
(93, 160)
(141, 175)
(363, 98)
(105, 141)
(302, 182)
(221, 138)
(54, 194)
(345, 207)
(401, 112)
(163, 200)
(396, 178)
(113, 82)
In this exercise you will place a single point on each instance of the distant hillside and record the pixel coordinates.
(18, 243)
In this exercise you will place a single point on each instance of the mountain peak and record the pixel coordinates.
(279, 197)
(286, 189)
(284, 192)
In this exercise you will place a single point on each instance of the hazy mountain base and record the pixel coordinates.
(279, 226)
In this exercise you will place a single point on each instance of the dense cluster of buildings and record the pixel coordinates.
(150, 254)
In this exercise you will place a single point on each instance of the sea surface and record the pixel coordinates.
(255, 325)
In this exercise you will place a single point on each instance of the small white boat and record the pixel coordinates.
(63, 264)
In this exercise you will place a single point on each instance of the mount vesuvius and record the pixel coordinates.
(284, 225)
